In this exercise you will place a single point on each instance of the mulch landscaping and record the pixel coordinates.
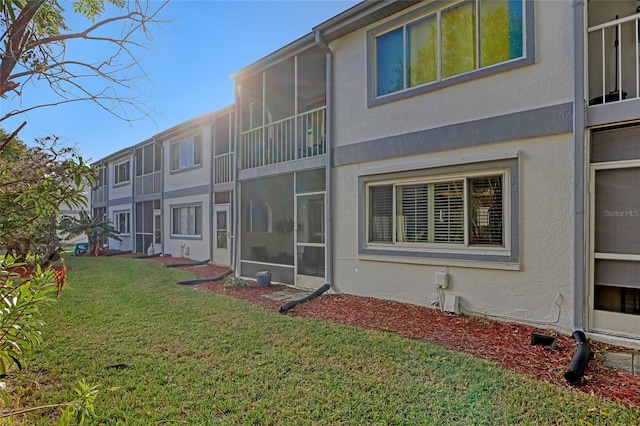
(505, 344)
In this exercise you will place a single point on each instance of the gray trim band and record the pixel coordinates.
(120, 201)
(537, 122)
(145, 198)
(186, 192)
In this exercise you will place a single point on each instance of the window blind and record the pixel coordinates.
(486, 214)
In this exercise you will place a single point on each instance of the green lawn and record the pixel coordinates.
(198, 358)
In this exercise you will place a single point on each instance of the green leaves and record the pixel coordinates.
(20, 323)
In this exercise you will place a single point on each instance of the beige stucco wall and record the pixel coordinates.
(547, 82)
(525, 292)
(199, 249)
(546, 241)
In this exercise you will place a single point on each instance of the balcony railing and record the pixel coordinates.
(148, 184)
(222, 168)
(290, 139)
(614, 60)
(99, 195)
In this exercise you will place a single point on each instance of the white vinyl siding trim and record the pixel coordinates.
(451, 213)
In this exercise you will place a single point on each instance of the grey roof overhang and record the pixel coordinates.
(359, 16)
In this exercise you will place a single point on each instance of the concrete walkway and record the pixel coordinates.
(629, 362)
(286, 295)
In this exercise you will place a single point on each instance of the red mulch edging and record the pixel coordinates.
(505, 344)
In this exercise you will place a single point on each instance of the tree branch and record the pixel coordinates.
(17, 43)
(11, 136)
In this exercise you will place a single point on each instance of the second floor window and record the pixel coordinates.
(443, 43)
(186, 153)
(121, 173)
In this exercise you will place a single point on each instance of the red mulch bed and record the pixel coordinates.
(506, 344)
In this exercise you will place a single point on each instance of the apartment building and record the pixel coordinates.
(163, 195)
(478, 156)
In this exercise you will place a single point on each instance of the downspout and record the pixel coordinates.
(320, 42)
(579, 112)
(211, 189)
(578, 363)
(235, 254)
(162, 233)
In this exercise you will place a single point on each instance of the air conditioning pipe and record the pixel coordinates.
(576, 367)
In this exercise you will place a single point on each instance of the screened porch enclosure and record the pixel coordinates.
(283, 111)
(283, 228)
(147, 230)
(266, 227)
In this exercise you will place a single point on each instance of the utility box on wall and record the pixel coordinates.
(442, 279)
(451, 304)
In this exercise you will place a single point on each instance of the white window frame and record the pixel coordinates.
(443, 247)
(116, 221)
(436, 9)
(197, 210)
(186, 160)
(116, 172)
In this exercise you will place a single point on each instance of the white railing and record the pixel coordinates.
(148, 184)
(290, 139)
(614, 58)
(99, 195)
(222, 168)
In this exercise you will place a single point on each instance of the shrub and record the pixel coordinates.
(236, 283)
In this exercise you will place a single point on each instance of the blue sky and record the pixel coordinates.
(189, 69)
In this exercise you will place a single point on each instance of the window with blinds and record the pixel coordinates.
(461, 211)
(486, 214)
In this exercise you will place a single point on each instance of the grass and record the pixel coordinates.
(195, 357)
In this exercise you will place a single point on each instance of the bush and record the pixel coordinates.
(236, 283)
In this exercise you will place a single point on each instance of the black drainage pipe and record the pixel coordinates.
(118, 253)
(178, 265)
(290, 304)
(576, 368)
(206, 280)
(147, 256)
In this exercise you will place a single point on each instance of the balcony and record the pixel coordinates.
(99, 195)
(292, 138)
(148, 184)
(222, 168)
(613, 58)
(283, 110)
